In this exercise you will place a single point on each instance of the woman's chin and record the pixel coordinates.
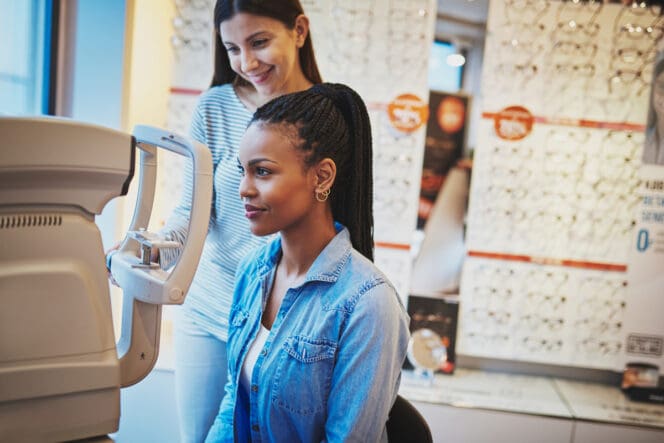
(261, 231)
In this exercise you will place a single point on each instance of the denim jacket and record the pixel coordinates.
(331, 365)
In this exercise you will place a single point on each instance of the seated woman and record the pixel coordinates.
(317, 333)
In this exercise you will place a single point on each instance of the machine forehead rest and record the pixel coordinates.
(57, 161)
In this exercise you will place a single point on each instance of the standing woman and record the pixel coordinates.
(317, 333)
(263, 49)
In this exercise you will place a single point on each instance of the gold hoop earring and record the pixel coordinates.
(322, 195)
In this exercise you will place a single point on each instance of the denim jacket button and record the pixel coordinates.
(254, 388)
(264, 352)
(255, 427)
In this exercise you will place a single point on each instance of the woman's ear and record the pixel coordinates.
(301, 29)
(325, 174)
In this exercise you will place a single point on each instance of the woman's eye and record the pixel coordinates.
(240, 169)
(262, 171)
(259, 43)
(232, 49)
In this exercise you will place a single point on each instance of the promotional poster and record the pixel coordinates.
(446, 132)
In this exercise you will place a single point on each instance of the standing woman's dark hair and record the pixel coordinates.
(285, 11)
(333, 123)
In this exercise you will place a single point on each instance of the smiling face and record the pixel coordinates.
(277, 189)
(264, 52)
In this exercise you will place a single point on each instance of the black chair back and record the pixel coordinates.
(406, 424)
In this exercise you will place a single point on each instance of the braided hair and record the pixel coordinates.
(332, 122)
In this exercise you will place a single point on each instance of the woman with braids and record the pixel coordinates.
(317, 333)
(263, 50)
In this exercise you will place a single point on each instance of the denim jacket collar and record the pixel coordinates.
(328, 264)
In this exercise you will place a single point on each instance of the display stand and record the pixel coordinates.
(555, 184)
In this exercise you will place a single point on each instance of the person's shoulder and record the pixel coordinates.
(218, 106)
(363, 279)
(222, 94)
(359, 264)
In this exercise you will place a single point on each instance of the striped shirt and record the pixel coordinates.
(219, 121)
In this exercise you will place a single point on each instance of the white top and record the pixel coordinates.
(252, 355)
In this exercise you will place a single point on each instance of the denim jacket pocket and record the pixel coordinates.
(302, 380)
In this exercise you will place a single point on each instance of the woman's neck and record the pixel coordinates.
(301, 248)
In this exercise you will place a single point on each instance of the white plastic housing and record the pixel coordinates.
(60, 368)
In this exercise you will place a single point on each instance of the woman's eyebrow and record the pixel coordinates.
(259, 160)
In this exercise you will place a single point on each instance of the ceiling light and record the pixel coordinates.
(455, 60)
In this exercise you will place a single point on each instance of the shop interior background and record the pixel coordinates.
(145, 61)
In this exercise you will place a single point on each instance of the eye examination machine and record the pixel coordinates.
(61, 369)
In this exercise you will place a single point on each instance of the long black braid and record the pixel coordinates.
(333, 122)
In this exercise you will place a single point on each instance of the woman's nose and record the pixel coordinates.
(246, 189)
(248, 61)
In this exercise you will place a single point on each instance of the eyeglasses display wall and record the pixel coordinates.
(193, 44)
(545, 314)
(571, 59)
(551, 215)
(381, 49)
(563, 192)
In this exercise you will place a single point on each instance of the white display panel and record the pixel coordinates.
(562, 192)
(545, 314)
(555, 184)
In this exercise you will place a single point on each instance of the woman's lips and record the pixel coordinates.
(260, 78)
(252, 212)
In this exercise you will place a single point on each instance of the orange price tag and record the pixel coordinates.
(408, 112)
(513, 123)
